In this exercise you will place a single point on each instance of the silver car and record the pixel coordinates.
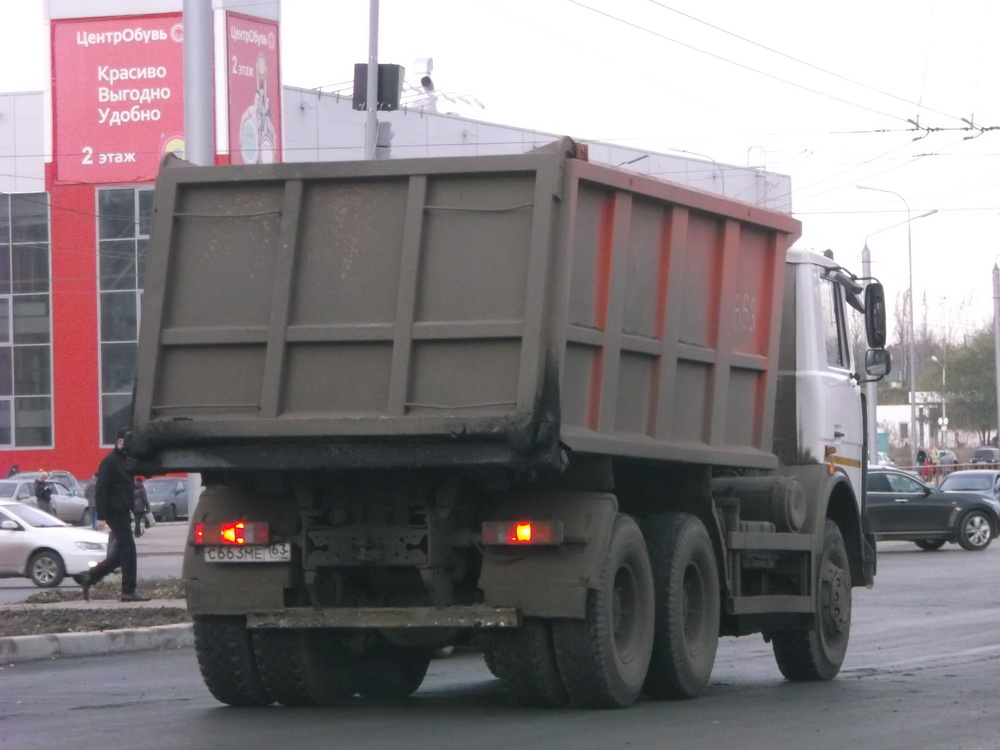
(65, 478)
(67, 506)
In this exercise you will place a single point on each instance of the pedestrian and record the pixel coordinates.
(115, 498)
(43, 493)
(140, 505)
(935, 459)
(90, 492)
(12, 471)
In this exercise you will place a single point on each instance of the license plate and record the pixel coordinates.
(256, 554)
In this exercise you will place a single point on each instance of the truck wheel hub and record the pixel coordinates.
(835, 598)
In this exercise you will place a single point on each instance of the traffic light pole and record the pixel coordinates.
(371, 105)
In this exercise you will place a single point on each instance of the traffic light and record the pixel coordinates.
(383, 140)
(390, 86)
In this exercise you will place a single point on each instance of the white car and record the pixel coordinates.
(67, 506)
(38, 546)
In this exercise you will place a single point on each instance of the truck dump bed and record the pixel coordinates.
(438, 311)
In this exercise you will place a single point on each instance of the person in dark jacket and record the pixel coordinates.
(12, 471)
(43, 493)
(140, 505)
(115, 498)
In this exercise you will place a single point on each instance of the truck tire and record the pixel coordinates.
(226, 660)
(525, 661)
(817, 654)
(392, 672)
(490, 659)
(305, 667)
(686, 581)
(603, 658)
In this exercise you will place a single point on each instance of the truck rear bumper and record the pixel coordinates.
(470, 616)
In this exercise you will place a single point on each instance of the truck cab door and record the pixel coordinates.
(841, 426)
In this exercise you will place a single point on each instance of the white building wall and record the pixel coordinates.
(22, 143)
(325, 127)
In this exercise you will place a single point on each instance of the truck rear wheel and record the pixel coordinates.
(226, 660)
(525, 662)
(603, 659)
(686, 579)
(392, 672)
(489, 658)
(305, 667)
(818, 654)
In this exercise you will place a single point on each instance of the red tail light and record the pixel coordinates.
(522, 532)
(234, 532)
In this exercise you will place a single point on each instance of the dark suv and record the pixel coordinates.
(987, 457)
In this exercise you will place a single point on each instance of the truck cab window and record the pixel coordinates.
(834, 330)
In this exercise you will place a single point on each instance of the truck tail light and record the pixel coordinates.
(234, 532)
(515, 533)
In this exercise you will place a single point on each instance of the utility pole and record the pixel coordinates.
(912, 347)
(371, 106)
(871, 390)
(996, 339)
(199, 107)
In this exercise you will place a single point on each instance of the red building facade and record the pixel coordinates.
(72, 260)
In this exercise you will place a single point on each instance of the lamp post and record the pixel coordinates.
(913, 358)
(996, 337)
(871, 391)
(943, 421)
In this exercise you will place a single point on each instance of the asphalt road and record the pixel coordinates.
(923, 671)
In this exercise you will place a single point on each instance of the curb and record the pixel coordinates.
(32, 647)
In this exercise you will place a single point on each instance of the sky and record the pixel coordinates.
(898, 96)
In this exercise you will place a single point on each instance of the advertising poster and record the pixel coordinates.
(254, 90)
(117, 97)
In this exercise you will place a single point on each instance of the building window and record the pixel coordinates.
(25, 322)
(124, 215)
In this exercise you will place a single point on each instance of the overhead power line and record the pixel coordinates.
(805, 63)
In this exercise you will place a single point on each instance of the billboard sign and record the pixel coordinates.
(254, 90)
(117, 97)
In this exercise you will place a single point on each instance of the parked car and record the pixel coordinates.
(168, 498)
(904, 508)
(65, 478)
(884, 459)
(947, 457)
(38, 546)
(986, 455)
(984, 481)
(67, 506)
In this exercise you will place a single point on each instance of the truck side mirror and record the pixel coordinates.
(875, 316)
(878, 363)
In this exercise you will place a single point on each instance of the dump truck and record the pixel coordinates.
(585, 420)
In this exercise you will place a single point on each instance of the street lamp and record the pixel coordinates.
(871, 392)
(996, 336)
(913, 357)
(943, 421)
